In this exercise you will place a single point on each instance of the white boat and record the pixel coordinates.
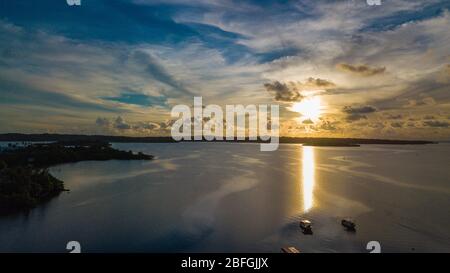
(290, 249)
(306, 226)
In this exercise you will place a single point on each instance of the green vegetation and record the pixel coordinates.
(24, 178)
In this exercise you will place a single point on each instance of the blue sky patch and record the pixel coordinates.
(138, 99)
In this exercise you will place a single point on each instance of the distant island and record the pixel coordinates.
(167, 139)
(330, 144)
(24, 177)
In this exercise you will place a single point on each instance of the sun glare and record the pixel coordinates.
(309, 108)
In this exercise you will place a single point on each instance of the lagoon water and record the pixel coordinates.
(230, 197)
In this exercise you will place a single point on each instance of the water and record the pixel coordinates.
(229, 197)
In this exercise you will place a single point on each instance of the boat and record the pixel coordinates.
(348, 224)
(290, 249)
(305, 225)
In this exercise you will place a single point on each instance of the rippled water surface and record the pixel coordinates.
(228, 197)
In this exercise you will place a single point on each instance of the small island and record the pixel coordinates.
(331, 144)
(25, 180)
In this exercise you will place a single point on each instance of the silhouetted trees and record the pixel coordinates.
(24, 177)
(25, 187)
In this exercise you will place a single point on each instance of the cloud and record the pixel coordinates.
(411, 124)
(362, 70)
(374, 125)
(317, 83)
(117, 124)
(427, 101)
(290, 91)
(327, 125)
(355, 113)
(150, 126)
(308, 121)
(436, 124)
(120, 124)
(397, 124)
(103, 122)
(157, 71)
(367, 109)
(355, 117)
(283, 92)
(166, 125)
(444, 75)
(394, 116)
(222, 50)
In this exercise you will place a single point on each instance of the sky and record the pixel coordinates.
(336, 68)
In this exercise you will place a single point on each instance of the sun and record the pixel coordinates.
(309, 108)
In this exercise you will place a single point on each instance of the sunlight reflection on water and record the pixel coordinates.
(308, 177)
